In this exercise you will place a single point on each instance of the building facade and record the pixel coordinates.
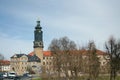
(4, 66)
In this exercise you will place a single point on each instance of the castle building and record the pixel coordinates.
(38, 58)
(22, 63)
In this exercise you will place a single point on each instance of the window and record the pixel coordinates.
(50, 63)
(43, 57)
(43, 63)
(47, 62)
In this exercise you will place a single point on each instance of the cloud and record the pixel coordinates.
(13, 45)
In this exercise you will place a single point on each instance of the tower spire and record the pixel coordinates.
(38, 40)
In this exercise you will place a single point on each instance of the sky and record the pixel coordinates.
(79, 20)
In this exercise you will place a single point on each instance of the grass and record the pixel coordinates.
(107, 78)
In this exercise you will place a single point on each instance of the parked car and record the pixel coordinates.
(27, 75)
(12, 75)
(1, 76)
(5, 75)
(17, 78)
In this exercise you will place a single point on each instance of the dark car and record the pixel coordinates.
(17, 78)
(27, 75)
(1, 76)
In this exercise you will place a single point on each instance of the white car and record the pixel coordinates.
(5, 75)
(12, 75)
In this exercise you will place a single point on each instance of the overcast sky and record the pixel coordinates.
(79, 20)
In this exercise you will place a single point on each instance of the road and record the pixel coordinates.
(22, 78)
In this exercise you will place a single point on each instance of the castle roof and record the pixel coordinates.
(45, 53)
(18, 55)
(33, 58)
(49, 53)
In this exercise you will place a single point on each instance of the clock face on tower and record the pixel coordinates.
(38, 44)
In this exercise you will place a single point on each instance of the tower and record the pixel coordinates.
(38, 41)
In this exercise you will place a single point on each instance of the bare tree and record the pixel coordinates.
(55, 50)
(113, 50)
(92, 61)
(76, 64)
(62, 50)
